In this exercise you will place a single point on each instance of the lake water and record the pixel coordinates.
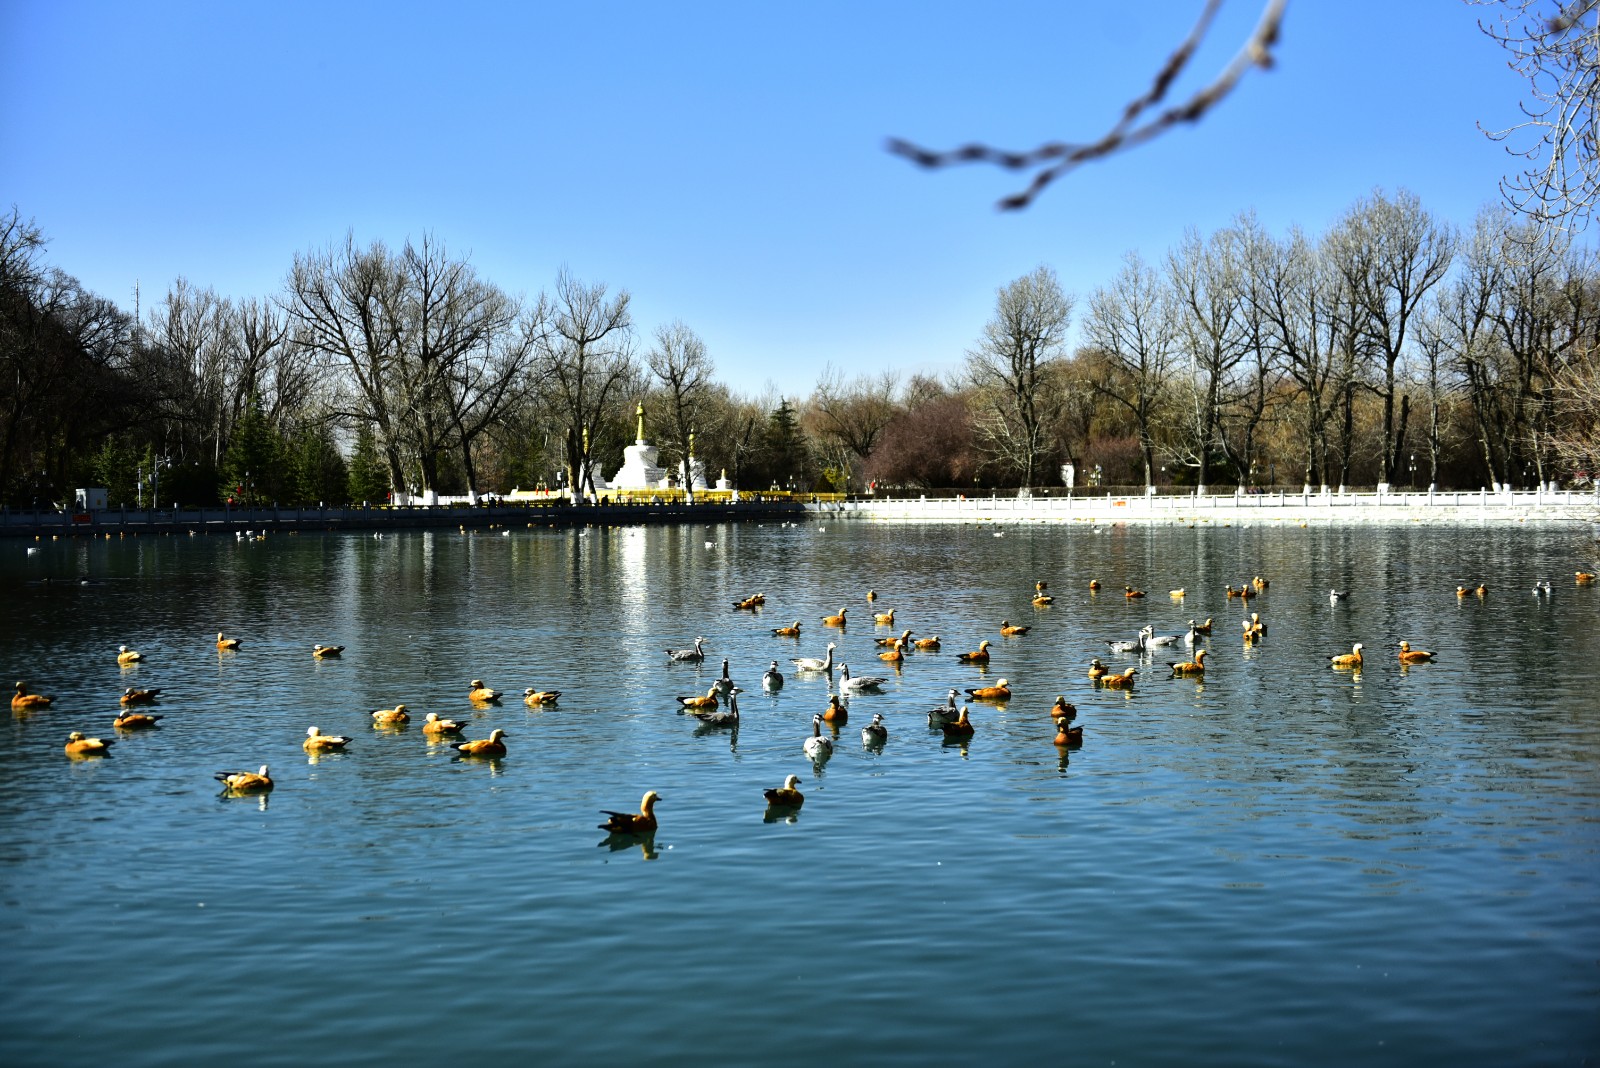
(1283, 864)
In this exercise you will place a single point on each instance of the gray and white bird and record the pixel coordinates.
(850, 685)
(697, 653)
(818, 746)
(814, 663)
(772, 679)
(945, 713)
(1153, 640)
(875, 733)
(722, 717)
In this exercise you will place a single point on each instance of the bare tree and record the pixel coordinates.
(1013, 372)
(1391, 253)
(1130, 323)
(1259, 393)
(679, 362)
(1208, 292)
(1556, 47)
(583, 366)
(845, 419)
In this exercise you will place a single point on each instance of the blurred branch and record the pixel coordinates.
(1057, 157)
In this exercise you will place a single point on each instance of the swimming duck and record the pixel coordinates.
(1251, 635)
(1124, 681)
(1066, 735)
(872, 595)
(882, 619)
(1097, 670)
(814, 663)
(1007, 630)
(817, 747)
(1201, 628)
(227, 645)
(712, 699)
(533, 697)
(724, 683)
(23, 701)
(961, 727)
(772, 679)
(1256, 624)
(716, 718)
(134, 721)
(834, 621)
(927, 643)
(481, 693)
(1461, 591)
(860, 684)
(128, 656)
(945, 713)
(1352, 659)
(895, 656)
(1094, 585)
(1481, 590)
(245, 782)
(1409, 655)
(792, 631)
(130, 696)
(1000, 691)
(327, 652)
(875, 733)
(1152, 640)
(1197, 666)
(1191, 636)
(1542, 589)
(787, 795)
(317, 742)
(1064, 709)
(689, 655)
(836, 712)
(388, 717)
(491, 746)
(432, 723)
(977, 656)
(1040, 598)
(79, 745)
(641, 822)
(749, 604)
(1259, 583)
(1583, 578)
(905, 636)
(1130, 593)
(1335, 596)
(1126, 646)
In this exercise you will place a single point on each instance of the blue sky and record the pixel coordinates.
(722, 162)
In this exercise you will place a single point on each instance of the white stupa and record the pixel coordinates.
(639, 470)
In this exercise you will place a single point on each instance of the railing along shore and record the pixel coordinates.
(1309, 505)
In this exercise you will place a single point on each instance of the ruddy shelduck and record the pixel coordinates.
(978, 656)
(897, 655)
(78, 745)
(834, 621)
(131, 696)
(23, 701)
(226, 644)
(1583, 578)
(433, 723)
(905, 636)
(791, 631)
(1000, 691)
(787, 795)
(531, 696)
(960, 727)
(327, 652)
(245, 782)
(1064, 709)
(391, 717)
(883, 619)
(1197, 666)
(1066, 735)
(1098, 670)
(481, 693)
(1130, 593)
(491, 746)
(712, 699)
(317, 742)
(1409, 655)
(135, 721)
(1201, 628)
(641, 822)
(1352, 659)
(836, 712)
(1011, 630)
(1040, 598)
(128, 656)
(931, 642)
(1094, 585)
(1123, 681)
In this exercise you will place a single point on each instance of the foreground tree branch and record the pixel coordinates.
(1058, 157)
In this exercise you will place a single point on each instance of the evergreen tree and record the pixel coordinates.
(368, 473)
(789, 459)
(253, 470)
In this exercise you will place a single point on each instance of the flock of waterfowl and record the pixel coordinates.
(718, 707)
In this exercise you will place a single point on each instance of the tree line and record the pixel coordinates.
(1391, 348)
